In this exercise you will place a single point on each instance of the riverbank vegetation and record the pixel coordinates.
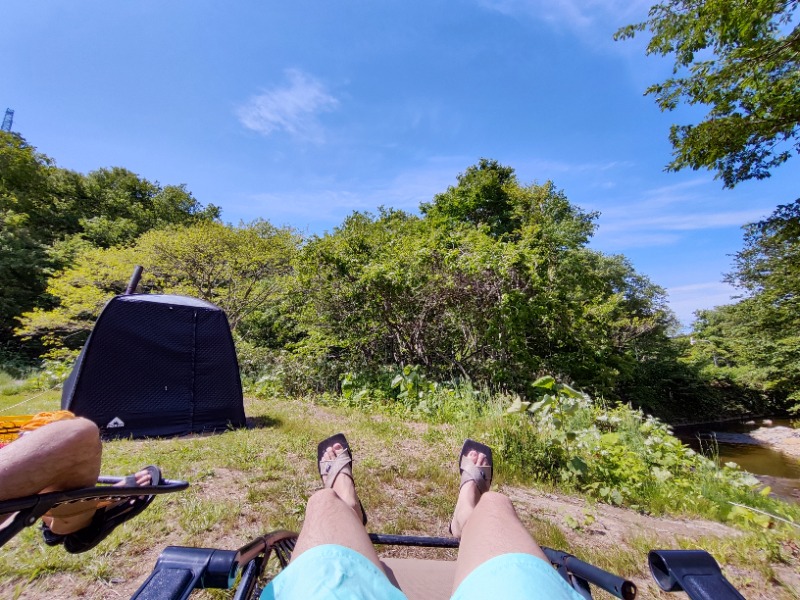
(487, 315)
(492, 285)
(488, 308)
(755, 343)
(605, 483)
(739, 61)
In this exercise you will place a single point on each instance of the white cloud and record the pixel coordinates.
(327, 203)
(685, 299)
(567, 168)
(576, 15)
(293, 108)
(662, 215)
(638, 219)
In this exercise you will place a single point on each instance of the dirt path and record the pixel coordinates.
(406, 474)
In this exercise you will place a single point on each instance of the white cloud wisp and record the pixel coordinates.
(292, 108)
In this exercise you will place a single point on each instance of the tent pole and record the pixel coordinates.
(137, 275)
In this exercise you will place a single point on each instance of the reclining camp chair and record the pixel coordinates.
(30, 508)
(179, 570)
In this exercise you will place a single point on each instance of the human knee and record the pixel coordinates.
(495, 502)
(322, 500)
(78, 433)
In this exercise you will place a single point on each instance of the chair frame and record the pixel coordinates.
(179, 570)
(30, 508)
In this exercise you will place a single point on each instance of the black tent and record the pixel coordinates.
(157, 365)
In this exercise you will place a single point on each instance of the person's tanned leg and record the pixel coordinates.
(62, 455)
(489, 526)
(333, 516)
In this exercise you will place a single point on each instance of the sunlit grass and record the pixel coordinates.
(19, 400)
(250, 481)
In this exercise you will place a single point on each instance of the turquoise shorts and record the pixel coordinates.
(335, 572)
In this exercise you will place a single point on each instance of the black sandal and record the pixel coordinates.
(332, 468)
(105, 519)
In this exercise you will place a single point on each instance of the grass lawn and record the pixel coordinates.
(250, 481)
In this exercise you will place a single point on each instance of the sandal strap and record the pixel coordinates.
(330, 469)
(481, 475)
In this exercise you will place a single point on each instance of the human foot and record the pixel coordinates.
(476, 478)
(139, 479)
(70, 518)
(335, 459)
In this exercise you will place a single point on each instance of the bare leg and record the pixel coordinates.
(62, 455)
(488, 526)
(468, 497)
(333, 516)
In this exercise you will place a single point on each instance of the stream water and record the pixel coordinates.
(780, 472)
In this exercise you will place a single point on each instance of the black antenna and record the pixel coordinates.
(137, 275)
(8, 120)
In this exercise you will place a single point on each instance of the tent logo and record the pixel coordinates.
(115, 422)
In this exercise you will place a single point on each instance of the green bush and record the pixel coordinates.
(615, 454)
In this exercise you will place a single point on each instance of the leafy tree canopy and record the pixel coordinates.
(49, 214)
(22, 266)
(483, 196)
(741, 59)
(124, 206)
(769, 269)
(237, 268)
(489, 196)
(494, 284)
(755, 342)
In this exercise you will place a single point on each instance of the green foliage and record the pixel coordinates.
(22, 267)
(125, 206)
(54, 370)
(484, 197)
(769, 269)
(614, 454)
(755, 343)
(48, 214)
(409, 393)
(493, 286)
(238, 268)
(620, 456)
(411, 386)
(470, 296)
(741, 59)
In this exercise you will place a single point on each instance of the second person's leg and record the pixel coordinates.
(333, 515)
(492, 529)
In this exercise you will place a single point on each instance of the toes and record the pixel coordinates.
(143, 478)
(331, 452)
(479, 458)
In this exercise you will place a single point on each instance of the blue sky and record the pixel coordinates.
(302, 112)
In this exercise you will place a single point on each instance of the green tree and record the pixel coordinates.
(490, 290)
(754, 343)
(116, 206)
(237, 268)
(483, 197)
(741, 59)
(22, 267)
(27, 220)
(49, 214)
(768, 268)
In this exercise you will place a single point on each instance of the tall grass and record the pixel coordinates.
(249, 481)
(614, 454)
